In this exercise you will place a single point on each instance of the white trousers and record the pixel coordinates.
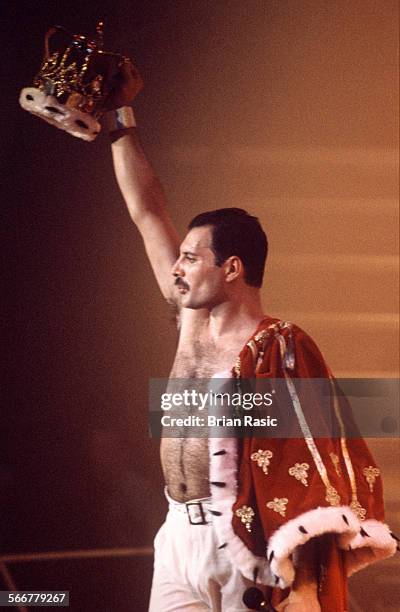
(190, 573)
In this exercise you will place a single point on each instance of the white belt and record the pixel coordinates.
(198, 511)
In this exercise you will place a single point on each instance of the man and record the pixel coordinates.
(212, 548)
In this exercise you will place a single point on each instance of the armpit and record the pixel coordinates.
(174, 313)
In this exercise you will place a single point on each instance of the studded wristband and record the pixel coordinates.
(120, 119)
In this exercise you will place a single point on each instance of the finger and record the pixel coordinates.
(282, 606)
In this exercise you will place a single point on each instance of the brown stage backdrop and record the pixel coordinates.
(286, 108)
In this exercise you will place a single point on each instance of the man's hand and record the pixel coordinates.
(302, 600)
(128, 83)
(303, 596)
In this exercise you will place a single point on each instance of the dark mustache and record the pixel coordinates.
(181, 283)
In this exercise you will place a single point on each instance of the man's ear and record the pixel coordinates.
(233, 268)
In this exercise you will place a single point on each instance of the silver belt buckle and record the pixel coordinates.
(195, 511)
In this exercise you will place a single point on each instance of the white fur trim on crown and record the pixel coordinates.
(73, 121)
(364, 542)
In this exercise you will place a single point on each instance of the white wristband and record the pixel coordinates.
(120, 119)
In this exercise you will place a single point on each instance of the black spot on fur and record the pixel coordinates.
(271, 556)
(221, 452)
(303, 529)
(53, 109)
(222, 546)
(218, 484)
(364, 533)
(81, 124)
(29, 97)
(216, 512)
(276, 579)
(346, 520)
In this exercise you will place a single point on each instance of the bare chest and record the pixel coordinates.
(201, 358)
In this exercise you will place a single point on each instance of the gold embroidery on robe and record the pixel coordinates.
(278, 505)
(371, 474)
(246, 515)
(237, 367)
(254, 350)
(299, 471)
(332, 496)
(358, 510)
(262, 457)
(261, 336)
(336, 462)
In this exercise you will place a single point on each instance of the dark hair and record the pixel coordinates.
(235, 232)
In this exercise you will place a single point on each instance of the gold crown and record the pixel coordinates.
(73, 82)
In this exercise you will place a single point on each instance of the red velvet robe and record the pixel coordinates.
(279, 493)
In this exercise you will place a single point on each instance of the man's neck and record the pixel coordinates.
(241, 316)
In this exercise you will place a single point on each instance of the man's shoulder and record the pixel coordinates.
(273, 326)
(297, 348)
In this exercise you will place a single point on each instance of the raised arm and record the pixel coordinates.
(142, 190)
